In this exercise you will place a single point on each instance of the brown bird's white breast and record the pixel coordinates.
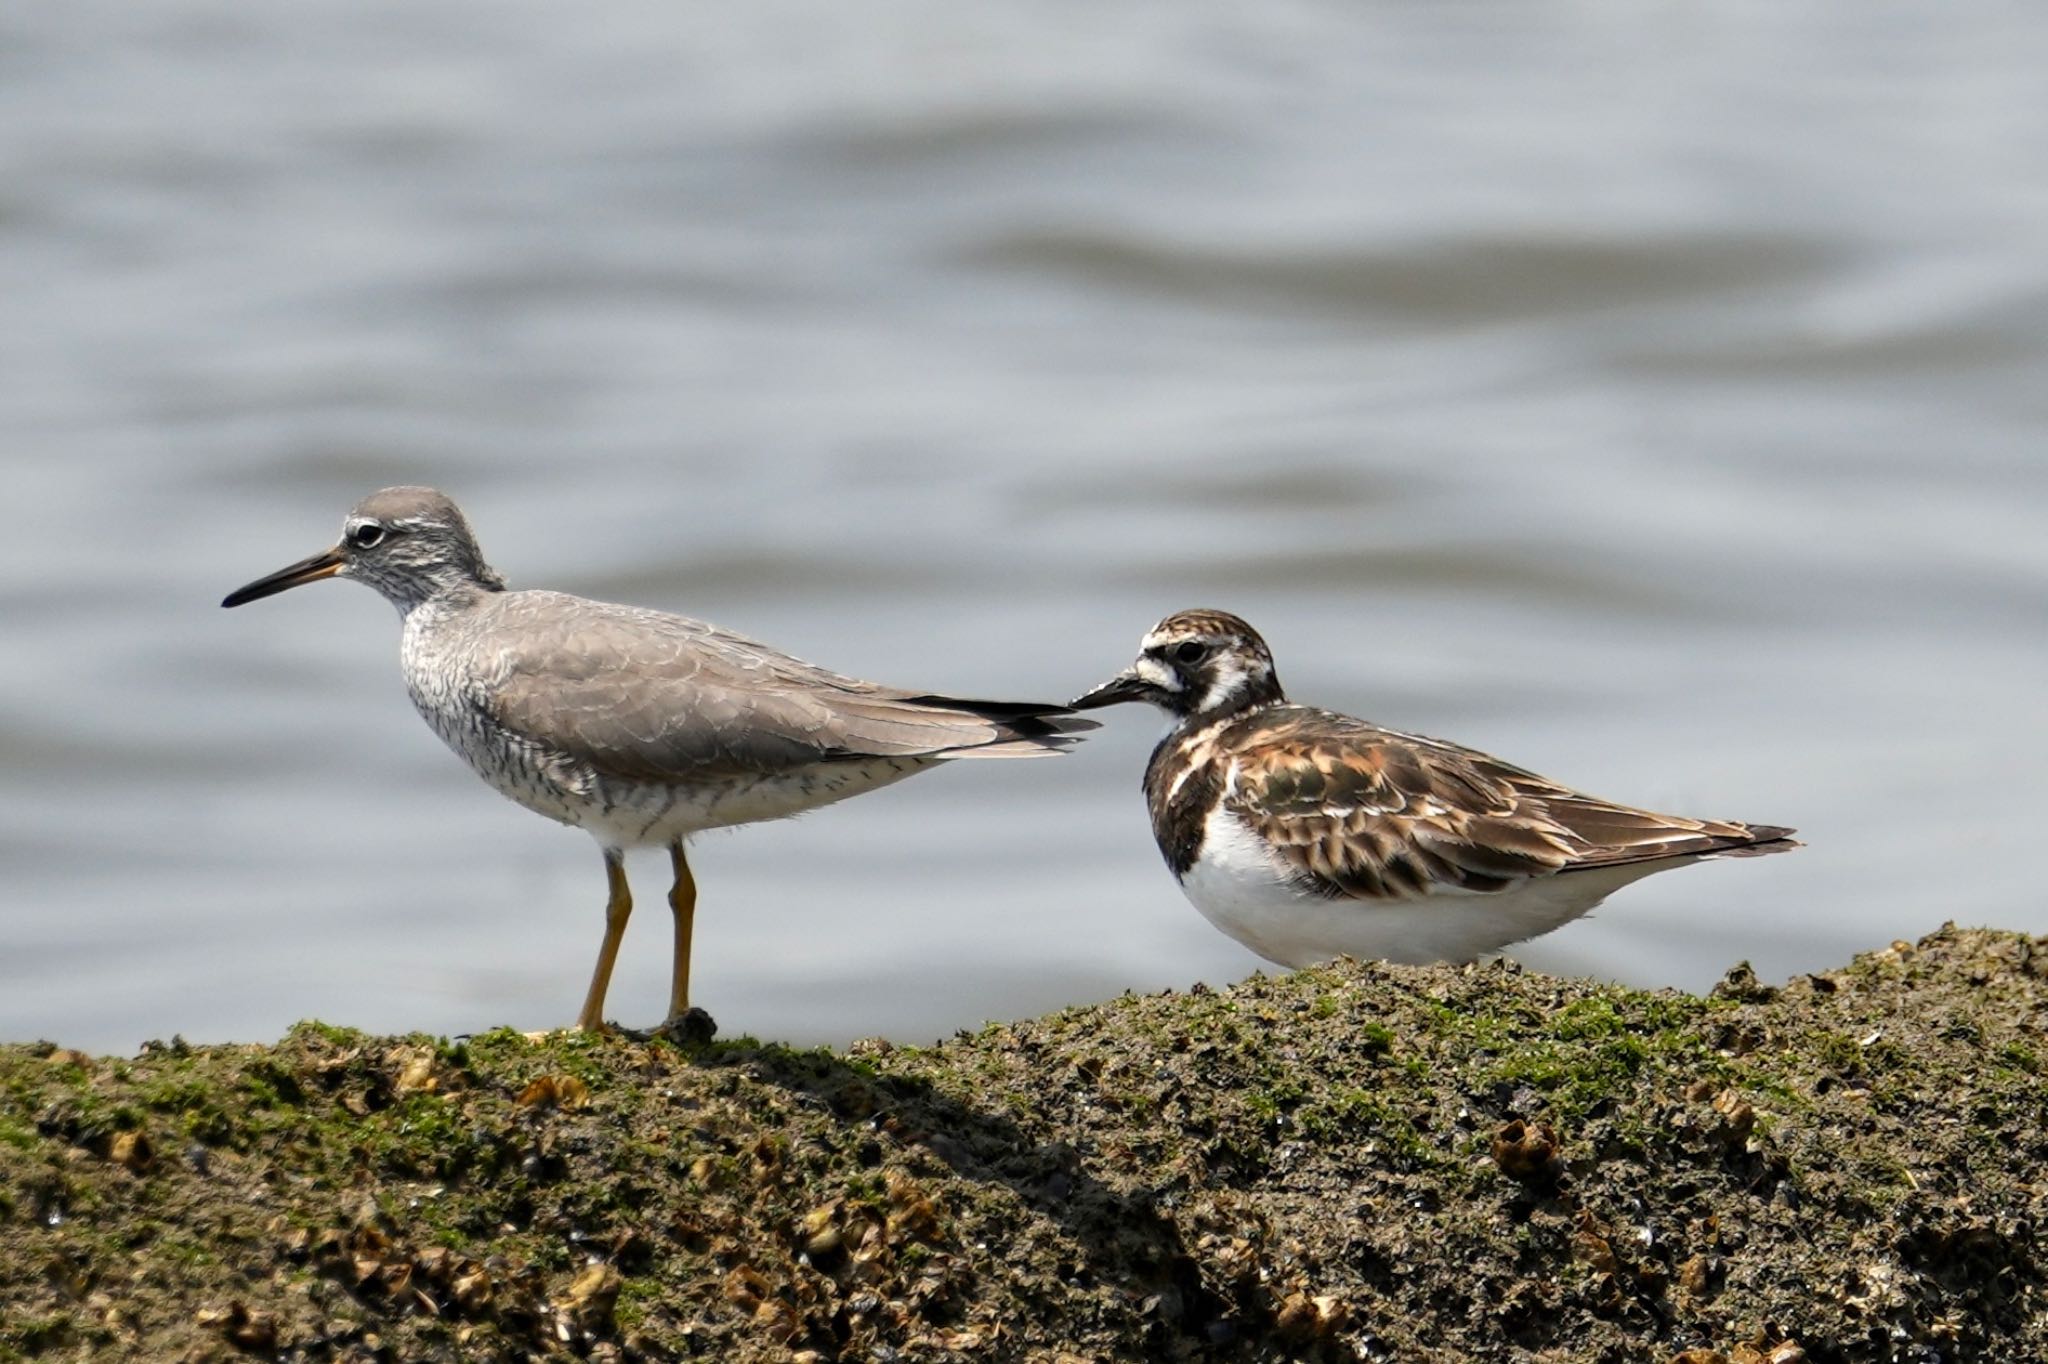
(1240, 884)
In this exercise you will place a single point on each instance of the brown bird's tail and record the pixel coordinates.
(1764, 840)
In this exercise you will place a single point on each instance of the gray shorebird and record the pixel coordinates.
(1306, 834)
(639, 727)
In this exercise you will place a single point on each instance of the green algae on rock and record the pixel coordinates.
(1357, 1162)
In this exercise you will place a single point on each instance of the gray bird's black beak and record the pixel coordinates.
(1125, 686)
(325, 564)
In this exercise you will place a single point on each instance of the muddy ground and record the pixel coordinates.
(1362, 1162)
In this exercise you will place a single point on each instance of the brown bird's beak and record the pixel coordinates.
(325, 564)
(1125, 686)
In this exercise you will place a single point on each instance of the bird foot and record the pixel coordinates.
(691, 1027)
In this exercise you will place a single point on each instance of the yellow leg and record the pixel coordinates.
(682, 902)
(616, 910)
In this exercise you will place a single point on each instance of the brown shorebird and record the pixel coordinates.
(1306, 834)
(639, 727)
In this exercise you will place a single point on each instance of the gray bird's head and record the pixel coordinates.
(411, 544)
(1195, 665)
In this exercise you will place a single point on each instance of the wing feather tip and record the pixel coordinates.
(1764, 839)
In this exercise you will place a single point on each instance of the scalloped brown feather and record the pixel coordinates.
(1358, 810)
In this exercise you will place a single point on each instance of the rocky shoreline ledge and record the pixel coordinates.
(1361, 1162)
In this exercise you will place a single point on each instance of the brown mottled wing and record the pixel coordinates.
(1363, 811)
(647, 696)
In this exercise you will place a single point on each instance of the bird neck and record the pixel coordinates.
(445, 589)
(1214, 717)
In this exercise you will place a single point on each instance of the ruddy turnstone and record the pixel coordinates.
(1306, 834)
(639, 727)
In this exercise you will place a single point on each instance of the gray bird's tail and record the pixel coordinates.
(1024, 729)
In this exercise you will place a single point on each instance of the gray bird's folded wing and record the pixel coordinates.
(647, 696)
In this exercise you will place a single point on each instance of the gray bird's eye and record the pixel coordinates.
(366, 536)
(1191, 652)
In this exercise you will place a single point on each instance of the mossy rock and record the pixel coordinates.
(1358, 1162)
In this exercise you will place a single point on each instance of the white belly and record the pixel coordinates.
(631, 816)
(1243, 889)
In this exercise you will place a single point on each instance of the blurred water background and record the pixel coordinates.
(1652, 395)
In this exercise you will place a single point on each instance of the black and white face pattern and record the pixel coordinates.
(1195, 665)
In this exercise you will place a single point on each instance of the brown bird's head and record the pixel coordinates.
(1195, 664)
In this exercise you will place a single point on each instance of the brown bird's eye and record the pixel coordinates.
(1191, 652)
(366, 536)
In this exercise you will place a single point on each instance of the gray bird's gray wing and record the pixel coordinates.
(648, 696)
